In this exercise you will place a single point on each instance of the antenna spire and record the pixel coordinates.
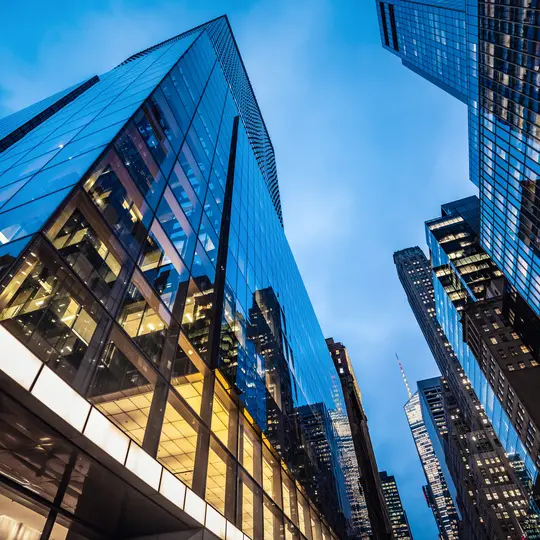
(404, 377)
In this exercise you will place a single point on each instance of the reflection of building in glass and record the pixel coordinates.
(398, 516)
(166, 349)
(359, 526)
(371, 492)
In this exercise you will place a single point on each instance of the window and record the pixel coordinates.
(271, 470)
(220, 480)
(144, 318)
(45, 307)
(123, 386)
(179, 439)
(224, 418)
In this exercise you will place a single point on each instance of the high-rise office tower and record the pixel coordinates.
(490, 49)
(161, 366)
(464, 276)
(398, 516)
(437, 491)
(455, 435)
(430, 395)
(365, 457)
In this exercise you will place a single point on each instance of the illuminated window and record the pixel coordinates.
(220, 480)
(123, 386)
(52, 314)
(271, 470)
(304, 519)
(273, 521)
(144, 318)
(289, 497)
(249, 506)
(224, 418)
(250, 449)
(187, 376)
(179, 437)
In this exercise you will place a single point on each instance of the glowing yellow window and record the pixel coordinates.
(178, 442)
(250, 449)
(271, 475)
(224, 418)
(249, 507)
(220, 479)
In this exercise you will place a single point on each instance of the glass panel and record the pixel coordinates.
(10, 252)
(144, 318)
(173, 99)
(118, 199)
(185, 195)
(250, 449)
(197, 316)
(88, 247)
(220, 479)
(224, 418)
(53, 179)
(273, 521)
(137, 159)
(50, 312)
(315, 525)
(291, 532)
(304, 519)
(155, 139)
(18, 517)
(123, 386)
(249, 506)
(164, 269)
(177, 227)
(271, 470)
(186, 379)
(28, 219)
(179, 438)
(289, 497)
(192, 171)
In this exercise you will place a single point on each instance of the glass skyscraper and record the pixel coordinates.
(161, 367)
(500, 87)
(488, 491)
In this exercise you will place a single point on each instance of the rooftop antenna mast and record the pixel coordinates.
(404, 377)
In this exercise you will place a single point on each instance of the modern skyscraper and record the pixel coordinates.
(437, 492)
(398, 516)
(430, 394)
(501, 91)
(381, 527)
(161, 366)
(467, 437)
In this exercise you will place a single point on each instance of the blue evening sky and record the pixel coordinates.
(366, 151)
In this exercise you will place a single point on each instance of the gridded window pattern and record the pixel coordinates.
(117, 292)
(509, 143)
(431, 38)
(457, 282)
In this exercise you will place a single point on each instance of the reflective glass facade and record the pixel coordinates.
(430, 38)
(145, 272)
(501, 91)
(492, 500)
